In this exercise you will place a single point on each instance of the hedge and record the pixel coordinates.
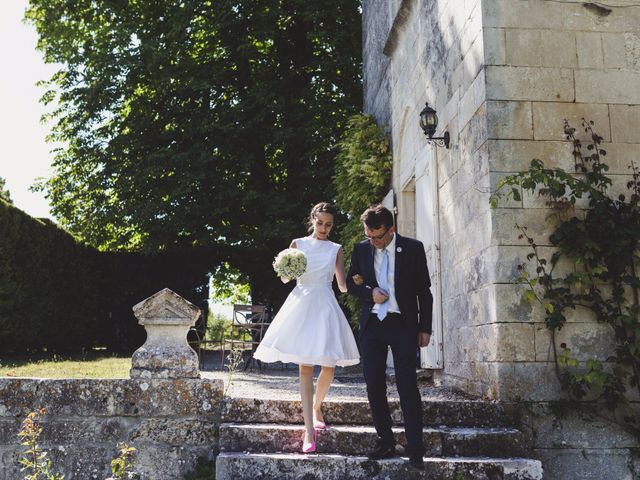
(59, 295)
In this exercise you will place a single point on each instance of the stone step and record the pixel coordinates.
(358, 439)
(339, 467)
(436, 412)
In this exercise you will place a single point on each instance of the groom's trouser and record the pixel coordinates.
(374, 340)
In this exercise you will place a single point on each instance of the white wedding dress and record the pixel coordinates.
(310, 328)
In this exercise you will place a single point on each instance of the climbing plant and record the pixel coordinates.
(362, 178)
(601, 239)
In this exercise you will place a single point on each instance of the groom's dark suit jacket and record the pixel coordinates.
(411, 282)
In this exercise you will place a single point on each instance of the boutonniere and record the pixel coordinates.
(399, 249)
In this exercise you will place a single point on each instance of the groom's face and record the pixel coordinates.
(379, 237)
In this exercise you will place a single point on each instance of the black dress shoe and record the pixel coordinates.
(416, 462)
(382, 451)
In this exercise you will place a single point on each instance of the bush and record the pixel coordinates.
(50, 289)
(363, 177)
(59, 295)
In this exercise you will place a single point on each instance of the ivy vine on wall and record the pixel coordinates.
(601, 239)
(362, 178)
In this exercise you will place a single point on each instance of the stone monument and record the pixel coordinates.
(166, 317)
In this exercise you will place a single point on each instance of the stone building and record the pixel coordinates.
(502, 75)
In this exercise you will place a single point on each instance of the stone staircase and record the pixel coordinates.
(465, 439)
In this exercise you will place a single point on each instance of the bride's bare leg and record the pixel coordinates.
(306, 395)
(324, 382)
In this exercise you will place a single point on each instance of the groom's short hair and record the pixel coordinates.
(377, 216)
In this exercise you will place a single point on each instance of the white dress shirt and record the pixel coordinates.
(377, 263)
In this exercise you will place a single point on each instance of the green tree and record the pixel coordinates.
(197, 123)
(4, 191)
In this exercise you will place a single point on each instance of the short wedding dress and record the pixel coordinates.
(310, 328)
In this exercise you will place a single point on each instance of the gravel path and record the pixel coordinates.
(277, 382)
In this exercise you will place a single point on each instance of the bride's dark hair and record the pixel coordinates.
(322, 207)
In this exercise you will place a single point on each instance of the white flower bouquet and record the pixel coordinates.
(290, 263)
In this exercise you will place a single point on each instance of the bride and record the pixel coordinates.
(310, 328)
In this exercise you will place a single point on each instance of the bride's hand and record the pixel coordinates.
(357, 279)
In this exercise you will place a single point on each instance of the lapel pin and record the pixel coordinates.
(399, 249)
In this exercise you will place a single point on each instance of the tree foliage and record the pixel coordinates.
(194, 122)
(4, 191)
(362, 178)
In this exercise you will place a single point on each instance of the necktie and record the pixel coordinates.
(382, 283)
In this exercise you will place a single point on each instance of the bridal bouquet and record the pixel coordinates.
(290, 264)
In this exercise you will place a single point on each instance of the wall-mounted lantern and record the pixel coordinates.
(428, 123)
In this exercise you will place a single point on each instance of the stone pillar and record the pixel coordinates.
(166, 317)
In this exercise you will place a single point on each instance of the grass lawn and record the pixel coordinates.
(93, 365)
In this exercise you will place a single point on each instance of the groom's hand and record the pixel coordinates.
(379, 295)
(423, 339)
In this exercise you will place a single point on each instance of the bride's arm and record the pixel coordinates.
(293, 244)
(340, 276)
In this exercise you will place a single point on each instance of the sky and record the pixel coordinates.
(24, 155)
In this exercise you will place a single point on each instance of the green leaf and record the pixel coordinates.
(529, 296)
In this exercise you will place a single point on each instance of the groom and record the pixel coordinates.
(389, 274)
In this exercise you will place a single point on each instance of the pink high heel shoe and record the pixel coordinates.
(318, 425)
(309, 447)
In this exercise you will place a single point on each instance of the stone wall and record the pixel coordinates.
(166, 411)
(170, 422)
(502, 75)
(435, 51)
(374, 63)
(544, 62)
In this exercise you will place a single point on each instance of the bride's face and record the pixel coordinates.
(322, 225)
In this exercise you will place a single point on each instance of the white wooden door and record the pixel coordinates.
(427, 231)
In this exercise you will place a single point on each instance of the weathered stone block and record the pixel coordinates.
(530, 84)
(509, 120)
(472, 99)
(479, 270)
(544, 48)
(494, 46)
(614, 50)
(620, 155)
(583, 16)
(535, 381)
(170, 463)
(506, 342)
(509, 257)
(586, 340)
(495, 442)
(621, 50)
(110, 397)
(585, 464)
(473, 135)
(288, 466)
(346, 440)
(590, 53)
(575, 429)
(548, 119)
(506, 14)
(607, 86)
(539, 223)
(625, 125)
(176, 432)
(516, 155)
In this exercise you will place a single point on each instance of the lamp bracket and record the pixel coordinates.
(440, 141)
